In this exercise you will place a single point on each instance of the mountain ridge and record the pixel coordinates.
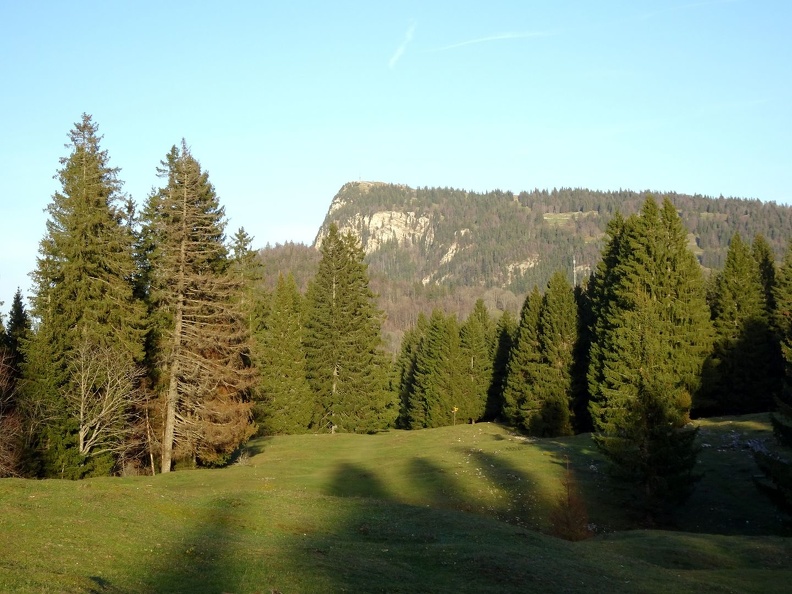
(445, 247)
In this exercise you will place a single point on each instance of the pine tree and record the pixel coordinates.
(524, 363)
(551, 396)
(286, 403)
(346, 365)
(83, 294)
(763, 254)
(741, 374)
(505, 334)
(581, 362)
(476, 345)
(652, 333)
(200, 333)
(405, 365)
(18, 332)
(439, 372)
(777, 483)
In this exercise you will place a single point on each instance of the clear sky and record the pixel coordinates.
(284, 102)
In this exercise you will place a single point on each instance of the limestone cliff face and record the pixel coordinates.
(407, 229)
(446, 236)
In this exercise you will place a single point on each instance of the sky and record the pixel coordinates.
(284, 102)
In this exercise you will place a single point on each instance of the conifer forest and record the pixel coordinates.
(155, 339)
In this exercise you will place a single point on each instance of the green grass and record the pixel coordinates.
(456, 509)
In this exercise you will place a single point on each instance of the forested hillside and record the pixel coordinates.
(499, 239)
(442, 247)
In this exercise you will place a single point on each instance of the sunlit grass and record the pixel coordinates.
(456, 509)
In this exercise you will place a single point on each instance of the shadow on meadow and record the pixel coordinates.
(352, 480)
(523, 499)
(202, 557)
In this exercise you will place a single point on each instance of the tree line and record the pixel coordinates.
(645, 345)
(152, 342)
(150, 345)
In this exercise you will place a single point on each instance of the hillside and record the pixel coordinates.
(499, 239)
(455, 509)
(443, 247)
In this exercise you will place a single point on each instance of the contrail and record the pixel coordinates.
(498, 37)
(401, 49)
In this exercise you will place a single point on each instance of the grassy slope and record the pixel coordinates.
(452, 509)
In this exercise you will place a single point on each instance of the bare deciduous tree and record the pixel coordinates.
(10, 424)
(104, 395)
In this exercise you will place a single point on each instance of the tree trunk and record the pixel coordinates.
(172, 397)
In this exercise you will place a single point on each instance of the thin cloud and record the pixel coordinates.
(403, 47)
(497, 37)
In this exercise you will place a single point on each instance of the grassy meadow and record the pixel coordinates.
(455, 509)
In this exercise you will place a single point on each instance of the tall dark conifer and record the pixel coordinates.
(285, 401)
(17, 333)
(405, 367)
(82, 295)
(549, 412)
(505, 334)
(476, 345)
(777, 482)
(524, 363)
(346, 365)
(652, 333)
(439, 375)
(741, 375)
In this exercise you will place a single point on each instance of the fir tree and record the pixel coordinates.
(83, 293)
(765, 259)
(17, 333)
(741, 375)
(549, 411)
(524, 363)
(405, 365)
(346, 365)
(652, 333)
(439, 372)
(201, 336)
(581, 362)
(476, 345)
(286, 403)
(777, 482)
(504, 336)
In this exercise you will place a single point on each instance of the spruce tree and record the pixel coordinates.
(505, 334)
(524, 363)
(439, 372)
(551, 397)
(201, 337)
(476, 345)
(83, 293)
(346, 365)
(765, 259)
(17, 333)
(404, 368)
(285, 401)
(741, 375)
(652, 333)
(777, 482)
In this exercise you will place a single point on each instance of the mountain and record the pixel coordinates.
(446, 247)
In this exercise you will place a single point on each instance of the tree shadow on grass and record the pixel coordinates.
(523, 500)
(436, 486)
(352, 480)
(200, 559)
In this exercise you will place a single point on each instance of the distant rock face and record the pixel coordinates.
(457, 238)
(405, 228)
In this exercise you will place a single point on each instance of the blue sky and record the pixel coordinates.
(284, 102)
